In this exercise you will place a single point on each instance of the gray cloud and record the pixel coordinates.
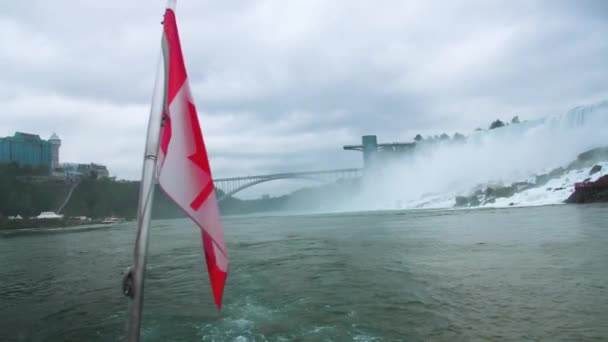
(281, 86)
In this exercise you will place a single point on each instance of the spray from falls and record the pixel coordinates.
(440, 170)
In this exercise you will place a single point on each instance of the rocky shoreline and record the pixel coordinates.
(592, 191)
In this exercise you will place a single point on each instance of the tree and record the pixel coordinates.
(444, 137)
(418, 138)
(458, 137)
(497, 124)
(515, 119)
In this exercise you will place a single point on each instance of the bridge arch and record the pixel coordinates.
(231, 186)
(264, 180)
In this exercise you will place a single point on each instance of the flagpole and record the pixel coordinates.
(133, 279)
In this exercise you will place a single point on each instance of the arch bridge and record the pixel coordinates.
(230, 186)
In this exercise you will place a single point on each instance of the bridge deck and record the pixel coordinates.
(289, 174)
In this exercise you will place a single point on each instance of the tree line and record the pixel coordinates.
(27, 192)
(458, 137)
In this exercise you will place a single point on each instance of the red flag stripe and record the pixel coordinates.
(217, 277)
(177, 67)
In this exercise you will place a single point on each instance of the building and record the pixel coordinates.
(76, 170)
(27, 149)
(375, 153)
(98, 170)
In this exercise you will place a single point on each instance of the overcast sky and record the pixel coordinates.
(282, 85)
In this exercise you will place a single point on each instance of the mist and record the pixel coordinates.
(436, 172)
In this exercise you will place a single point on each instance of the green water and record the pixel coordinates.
(501, 275)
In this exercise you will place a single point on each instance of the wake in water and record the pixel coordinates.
(436, 173)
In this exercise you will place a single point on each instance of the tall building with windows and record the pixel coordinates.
(26, 149)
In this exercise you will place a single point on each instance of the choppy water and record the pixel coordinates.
(497, 274)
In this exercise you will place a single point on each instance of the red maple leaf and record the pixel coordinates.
(199, 158)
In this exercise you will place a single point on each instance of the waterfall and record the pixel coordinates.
(439, 171)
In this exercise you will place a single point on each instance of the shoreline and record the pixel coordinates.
(64, 229)
(48, 224)
(97, 224)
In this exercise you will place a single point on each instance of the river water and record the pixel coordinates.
(461, 275)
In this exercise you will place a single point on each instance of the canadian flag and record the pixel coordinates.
(183, 167)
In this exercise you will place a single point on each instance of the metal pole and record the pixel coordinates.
(133, 279)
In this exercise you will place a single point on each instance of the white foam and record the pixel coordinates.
(365, 338)
(556, 191)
